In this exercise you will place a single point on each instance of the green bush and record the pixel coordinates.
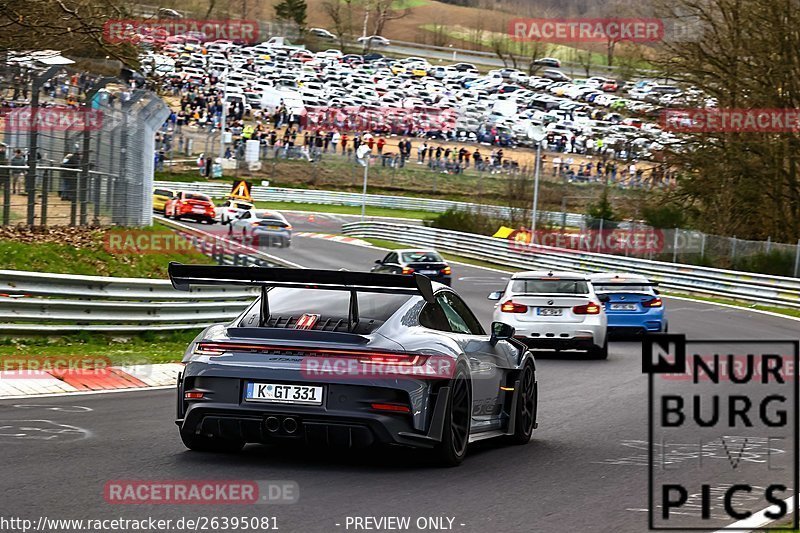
(776, 263)
(467, 220)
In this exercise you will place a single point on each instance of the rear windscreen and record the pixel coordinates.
(549, 286)
(616, 287)
(190, 196)
(287, 305)
(421, 257)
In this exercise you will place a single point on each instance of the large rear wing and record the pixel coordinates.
(183, 276)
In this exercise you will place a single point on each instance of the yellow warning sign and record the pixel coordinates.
(241, 191)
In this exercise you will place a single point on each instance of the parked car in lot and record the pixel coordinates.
(632, 303)
(262, 227)
(192, 205)
(230, 209)
(408, 262)
(554, 311)
(161, 197)
(556, 75)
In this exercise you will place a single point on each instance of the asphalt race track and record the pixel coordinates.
(584, 470)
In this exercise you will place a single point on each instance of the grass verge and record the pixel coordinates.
(347, 210)
(120, 349)
(85, 251)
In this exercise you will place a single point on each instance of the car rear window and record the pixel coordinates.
(164, 192)
(549, 286)
(192, 196)
(619, 287)
(421, 257)
(288, 305)
(242, 206)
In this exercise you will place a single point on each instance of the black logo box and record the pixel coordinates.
(666, 343)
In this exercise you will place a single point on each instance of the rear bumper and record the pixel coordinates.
(652, 321)
(345, 418)
(563, 336)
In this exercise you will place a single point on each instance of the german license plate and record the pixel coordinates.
(546, 311)
(273, 227)
(198, 210)
(623, 307)
(428, 272)
(281, 393)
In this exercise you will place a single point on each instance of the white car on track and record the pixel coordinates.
(554, 311)
(231, 209)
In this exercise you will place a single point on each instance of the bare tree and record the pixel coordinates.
(74, 26)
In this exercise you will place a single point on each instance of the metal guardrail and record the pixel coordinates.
(759, 288)
(308, 196)
(37, 302)
(66, 303)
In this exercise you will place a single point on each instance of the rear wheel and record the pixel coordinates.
(599, 352)
(458, 417)
(202, 443)
(527, 402)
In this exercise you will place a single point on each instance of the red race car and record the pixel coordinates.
(190, 205)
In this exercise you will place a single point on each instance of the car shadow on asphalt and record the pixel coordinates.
(321, 458)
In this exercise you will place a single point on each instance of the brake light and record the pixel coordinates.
(385, 358)
(391, 407)
(655, 302)
(589, 309)
(513, 307)
(447, 271)
(193, 395)
(408, 270)
(392, 359)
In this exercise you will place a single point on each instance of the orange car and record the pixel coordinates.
(191, 205)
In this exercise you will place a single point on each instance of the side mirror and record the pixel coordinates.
(496, 295)
(501, 332)
(604, 298)
(656, 291)
(378, 261)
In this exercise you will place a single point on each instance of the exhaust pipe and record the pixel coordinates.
(272, 424)
(289, 425)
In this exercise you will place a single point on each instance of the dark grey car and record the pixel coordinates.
(351, 359)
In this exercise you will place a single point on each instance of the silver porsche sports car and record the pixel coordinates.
(351, 359)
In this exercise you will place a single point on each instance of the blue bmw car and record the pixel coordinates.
(632, 303)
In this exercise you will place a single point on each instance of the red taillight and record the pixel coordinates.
(513, 307)
(193, 395)
(392, 359)
(655, 302)
(589, 309)
(408, 270)
(447, 271)
(391, 407)
(379, 358)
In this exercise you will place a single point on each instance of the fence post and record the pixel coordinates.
(769, 244)
(600, 234)
(703, 246)
(675, 246)
(733, 248)
(33, 140)
(797, 258)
